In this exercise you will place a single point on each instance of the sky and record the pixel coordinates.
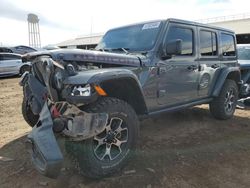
(61, 20)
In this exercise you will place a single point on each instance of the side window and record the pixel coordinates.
(186, 35)
(10, 57)
(227, 44)
(208, 43)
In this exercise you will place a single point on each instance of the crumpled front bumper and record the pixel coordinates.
(69, 121)
(42, 144)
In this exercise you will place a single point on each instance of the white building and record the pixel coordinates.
(238, 23)
(82, 42)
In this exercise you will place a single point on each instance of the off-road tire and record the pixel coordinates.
(218, 107)
(83, 153)
(28, 115)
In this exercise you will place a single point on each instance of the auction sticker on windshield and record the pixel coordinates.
(151, 25)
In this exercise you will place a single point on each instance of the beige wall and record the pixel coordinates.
(238, 26)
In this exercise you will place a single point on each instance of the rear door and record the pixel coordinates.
(209, 60)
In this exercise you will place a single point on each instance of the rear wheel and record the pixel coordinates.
(109, 151)
(223, 106)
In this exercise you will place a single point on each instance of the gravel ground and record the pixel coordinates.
(182, 149)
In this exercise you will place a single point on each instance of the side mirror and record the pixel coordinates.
(174, 47)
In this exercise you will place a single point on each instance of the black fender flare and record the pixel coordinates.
(115, 82)
(125, 86)
(226, 73)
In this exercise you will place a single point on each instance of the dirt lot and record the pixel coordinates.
(183, 149)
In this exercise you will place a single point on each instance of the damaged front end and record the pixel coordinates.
(42, 144)
(58, 113)
(69, 121)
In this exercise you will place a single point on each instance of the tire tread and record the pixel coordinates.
(78, 150)
(217, 105)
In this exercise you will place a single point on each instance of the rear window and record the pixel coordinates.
(208, 43)
(228, 46)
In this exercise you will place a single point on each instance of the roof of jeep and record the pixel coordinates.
(199, 24)
(179, 21)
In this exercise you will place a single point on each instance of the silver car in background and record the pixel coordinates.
(244, 62)
(243, 53)
(11, 64)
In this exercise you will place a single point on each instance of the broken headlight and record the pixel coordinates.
(84, 91)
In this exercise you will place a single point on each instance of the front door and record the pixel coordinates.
(10, 63)
(178, 75)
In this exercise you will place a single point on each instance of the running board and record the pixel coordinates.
(180, 107)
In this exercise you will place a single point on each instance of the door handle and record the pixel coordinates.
(215, 66)
(192, 67)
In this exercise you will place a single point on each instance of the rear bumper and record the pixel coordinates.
(42, 144)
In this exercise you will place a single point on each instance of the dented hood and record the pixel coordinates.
(77, 55)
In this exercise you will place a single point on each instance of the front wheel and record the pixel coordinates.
(23, 69)
(223, 106)
(28, 115)
(109, 151)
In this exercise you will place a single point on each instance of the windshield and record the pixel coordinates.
(140, 37)
(244, 53)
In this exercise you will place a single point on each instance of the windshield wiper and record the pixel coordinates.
(104, 49)
(120, 49)
(115, 49)
(123, 50)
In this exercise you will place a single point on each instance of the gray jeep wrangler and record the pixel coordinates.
(95, 98)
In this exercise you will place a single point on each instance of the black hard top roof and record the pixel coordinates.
(199, 24)
(180, 21)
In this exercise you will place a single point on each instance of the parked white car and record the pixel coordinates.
(11, 64)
